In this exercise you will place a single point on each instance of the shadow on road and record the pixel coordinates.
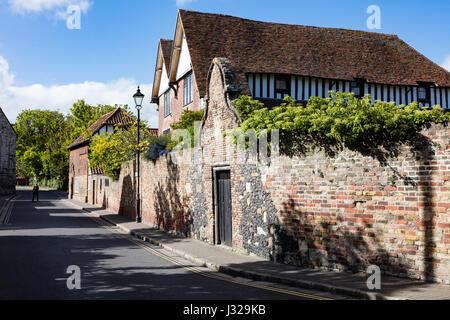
(45, 238)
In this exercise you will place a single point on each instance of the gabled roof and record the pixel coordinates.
(114, 117)
(162, 60)
(263, 47)
(4, 115)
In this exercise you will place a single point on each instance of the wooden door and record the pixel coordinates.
(224, 207)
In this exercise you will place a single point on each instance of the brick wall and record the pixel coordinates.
(119, 196)
(78, 168)
(177, 107)
(165, 193)
(341, 211)
(217, 151)
(349, 211)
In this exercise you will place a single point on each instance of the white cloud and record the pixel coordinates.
(59, 7)
(14, 99)
(182, 3)
(6, 78)
(446, 64)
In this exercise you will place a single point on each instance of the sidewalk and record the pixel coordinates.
(224, 260)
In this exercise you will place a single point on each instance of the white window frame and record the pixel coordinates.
(167, 104)
(166, 131)
(187, 89)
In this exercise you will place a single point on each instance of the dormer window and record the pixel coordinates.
(357, 87)
(282, 86)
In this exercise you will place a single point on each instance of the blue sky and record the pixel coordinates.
(45, 64)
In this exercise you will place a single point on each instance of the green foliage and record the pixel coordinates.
(105, 151)
(110, 150)
(341, 118)
(42, 139)
(245, 106)
(187, 119)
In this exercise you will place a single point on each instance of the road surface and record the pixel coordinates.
(43, 240)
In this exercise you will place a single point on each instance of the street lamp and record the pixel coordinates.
(138, 98)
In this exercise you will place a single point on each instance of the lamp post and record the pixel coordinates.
(138, 98)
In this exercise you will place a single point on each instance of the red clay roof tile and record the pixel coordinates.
(166, 46)
(114, 117)
(262, 47)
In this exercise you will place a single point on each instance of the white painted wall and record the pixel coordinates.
(164, 84)
(105, 128)
(304, 83)
(184, 64)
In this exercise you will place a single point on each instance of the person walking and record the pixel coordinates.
(36, 192)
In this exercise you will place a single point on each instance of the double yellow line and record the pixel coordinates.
(208, 275)
(8, 209)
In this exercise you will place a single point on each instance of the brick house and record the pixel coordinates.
(8, 138)
(82, 179)
(273, 60)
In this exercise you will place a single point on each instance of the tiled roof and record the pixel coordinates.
(114, 117)
(166, 46)
(153, 131)
(262, 47)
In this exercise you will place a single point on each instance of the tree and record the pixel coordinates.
(105, 151)
(110, 150)
(42, 139)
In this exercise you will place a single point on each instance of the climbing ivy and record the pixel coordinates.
(341, 117)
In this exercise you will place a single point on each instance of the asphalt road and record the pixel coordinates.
(42, 239)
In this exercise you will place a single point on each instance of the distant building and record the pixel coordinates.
(79, 171)
(82, 184)
(8, 138)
